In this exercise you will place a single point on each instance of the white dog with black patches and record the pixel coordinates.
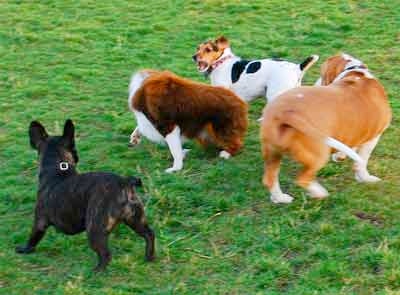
(248, 79)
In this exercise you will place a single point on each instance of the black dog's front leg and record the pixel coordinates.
(38, 230)
(139, 224)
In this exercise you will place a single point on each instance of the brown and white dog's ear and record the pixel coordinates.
(222, 43)
(37, 134)
(331, 68)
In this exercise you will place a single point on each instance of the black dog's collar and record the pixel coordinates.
(64, 166)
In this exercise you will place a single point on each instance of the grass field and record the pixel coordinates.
(217, 231)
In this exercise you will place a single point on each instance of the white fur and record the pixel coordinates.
(136, 82)
(224, 154)
(361, 171)
(316, 190)
(277, 196)
(147, 129)
(271, 80)
(337, 145)
(173, 140)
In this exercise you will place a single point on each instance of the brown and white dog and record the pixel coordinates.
(169, 108)
(350, 113)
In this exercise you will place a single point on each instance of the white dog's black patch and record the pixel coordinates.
(253, 67)
(237, 69)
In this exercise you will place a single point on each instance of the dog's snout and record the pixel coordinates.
(194, 57)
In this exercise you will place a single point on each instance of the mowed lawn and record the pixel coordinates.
(217, 231)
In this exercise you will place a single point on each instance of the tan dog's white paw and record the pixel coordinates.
(367, 178)
(172, 169)
(281, 199)
(317, 191)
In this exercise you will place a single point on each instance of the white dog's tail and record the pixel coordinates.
(136, 82)
(306, 64)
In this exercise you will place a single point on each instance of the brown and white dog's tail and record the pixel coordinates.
(306, 64)
(136, 82)
(298, 122)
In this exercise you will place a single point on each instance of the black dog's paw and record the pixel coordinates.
(24, 249)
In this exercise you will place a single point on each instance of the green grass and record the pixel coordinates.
(217, 232)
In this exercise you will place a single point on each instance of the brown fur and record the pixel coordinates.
(168, 100)
(353, 110)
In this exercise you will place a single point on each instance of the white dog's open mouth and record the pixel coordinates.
(202, 66)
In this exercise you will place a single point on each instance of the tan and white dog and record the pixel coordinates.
(169, 109)
(307, 123)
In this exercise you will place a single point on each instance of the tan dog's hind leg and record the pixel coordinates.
(135, 137)
(360, 169)
(271, 181)
(312, 160)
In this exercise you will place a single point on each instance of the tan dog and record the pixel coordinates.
(308, 122)
(169, 109)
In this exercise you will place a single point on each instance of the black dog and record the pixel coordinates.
(73, 203)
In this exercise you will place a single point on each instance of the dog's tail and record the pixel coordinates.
(137, 80)
(306, 64)
(297, 122)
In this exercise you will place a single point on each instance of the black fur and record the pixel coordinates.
(306, 62)
(237, 69)
(253, 67)
(73, 202)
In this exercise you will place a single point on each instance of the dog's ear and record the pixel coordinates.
(69, 132)
(37, 134)
(222, 42)
(135, 181)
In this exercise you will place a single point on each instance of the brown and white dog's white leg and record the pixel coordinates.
(174, 142)
(224, 154)
(135, 137)
(361, 171)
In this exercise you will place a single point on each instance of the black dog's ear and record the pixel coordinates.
(135, 181)
(37, 134)
(69, 132)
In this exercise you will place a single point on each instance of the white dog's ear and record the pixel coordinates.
(222, 42)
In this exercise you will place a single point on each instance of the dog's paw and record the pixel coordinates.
(134, 141)
(224, 154)
(172, 169)
(367, 178)
(24, 249)
(317, 191)
(338, 157)
(281, 199)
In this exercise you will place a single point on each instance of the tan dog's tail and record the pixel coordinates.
(306, 64)
(299, 123)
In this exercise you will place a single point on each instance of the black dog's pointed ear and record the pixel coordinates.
(69, 132)
(135, 181)
(37, 134)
